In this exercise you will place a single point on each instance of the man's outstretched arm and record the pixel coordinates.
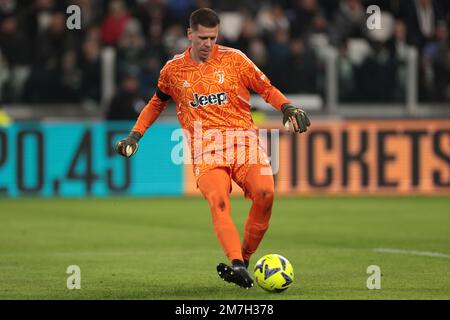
(129, 145)
(258, 82)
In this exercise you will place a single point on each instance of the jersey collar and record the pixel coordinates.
(213, 55)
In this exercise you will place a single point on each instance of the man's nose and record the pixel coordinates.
(208, 43)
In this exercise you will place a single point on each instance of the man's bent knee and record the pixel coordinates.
(265, 195)
(217, 200)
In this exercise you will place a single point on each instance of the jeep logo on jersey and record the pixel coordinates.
(213, 98)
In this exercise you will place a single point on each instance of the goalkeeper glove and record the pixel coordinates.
(128, 146)
(296, 116)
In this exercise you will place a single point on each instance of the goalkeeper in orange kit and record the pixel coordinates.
(210, 86)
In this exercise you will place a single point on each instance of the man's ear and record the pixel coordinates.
(189, 33)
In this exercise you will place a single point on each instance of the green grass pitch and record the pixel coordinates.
(165, 248)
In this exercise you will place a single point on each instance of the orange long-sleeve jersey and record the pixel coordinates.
(214, 93)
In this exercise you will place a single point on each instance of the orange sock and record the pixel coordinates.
(260, 189)
(215, 186)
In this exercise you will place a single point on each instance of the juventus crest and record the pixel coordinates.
(220, 76)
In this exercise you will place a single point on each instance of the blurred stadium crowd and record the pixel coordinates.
(44, 62)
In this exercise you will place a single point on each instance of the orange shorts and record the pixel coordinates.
(237, 162)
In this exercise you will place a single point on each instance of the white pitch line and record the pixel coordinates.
(413, 252)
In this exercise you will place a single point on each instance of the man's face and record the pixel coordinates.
(203, 40)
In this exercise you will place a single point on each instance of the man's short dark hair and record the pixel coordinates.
(205, 17)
